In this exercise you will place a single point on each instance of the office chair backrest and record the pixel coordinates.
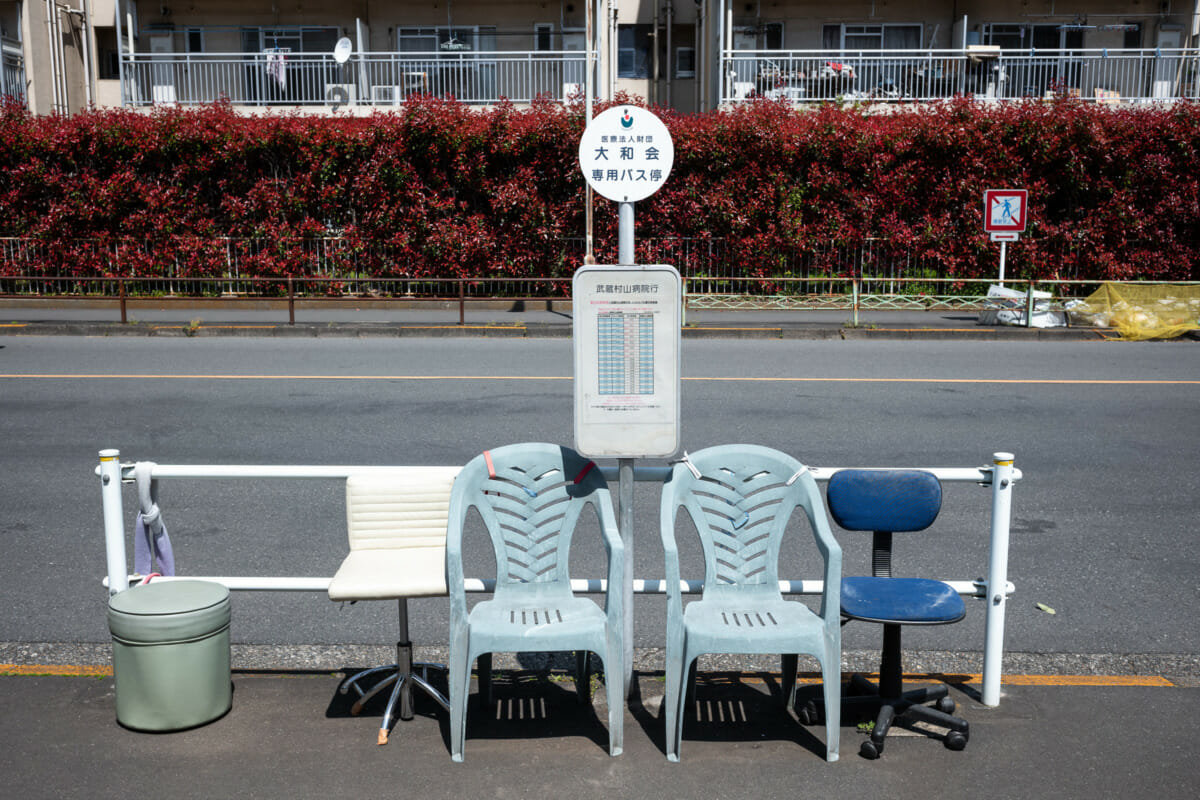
(398, 509)
(891, 500)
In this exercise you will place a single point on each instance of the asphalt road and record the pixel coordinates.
(1106, 434)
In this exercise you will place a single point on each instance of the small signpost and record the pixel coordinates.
(626, 322)
(1005, 212)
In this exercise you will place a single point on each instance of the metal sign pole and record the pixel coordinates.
(625, 235)
(625, 465)
(625, 525)
(1003, 253)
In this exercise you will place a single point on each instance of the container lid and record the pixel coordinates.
(169, 611)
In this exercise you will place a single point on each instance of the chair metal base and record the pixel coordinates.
(401, 677)
(907, 706)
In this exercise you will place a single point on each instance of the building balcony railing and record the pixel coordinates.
(12, 68)
(1142, 75)
(368, 79)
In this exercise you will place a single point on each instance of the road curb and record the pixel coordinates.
(386, 330)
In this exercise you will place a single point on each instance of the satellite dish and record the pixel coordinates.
(342, 50)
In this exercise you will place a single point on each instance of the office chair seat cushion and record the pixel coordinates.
(903, 601)
(387, 574)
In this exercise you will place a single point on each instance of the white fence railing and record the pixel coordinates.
(367, 79)
(12, 68)
(805, 76)
(995, 589)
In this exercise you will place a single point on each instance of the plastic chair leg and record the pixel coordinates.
(674, 703)
(484, 669)
(788, 667)
(460, 684)
(614, 686)
(831, 680)
(583, 676)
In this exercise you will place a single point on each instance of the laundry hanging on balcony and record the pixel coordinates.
(277, 67)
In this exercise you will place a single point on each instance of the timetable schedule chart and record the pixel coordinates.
(625, 360)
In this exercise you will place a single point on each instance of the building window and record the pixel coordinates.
(773, 36)
(543, 37)
(288, 40)
(685, 62)
(1133, 36)
(633, 51)
(871, 37)
(1038, 37)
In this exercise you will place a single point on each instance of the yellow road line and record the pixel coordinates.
(56, 670)
(222, 327)
(710, 379)
(1115, 681)
(1027, 680)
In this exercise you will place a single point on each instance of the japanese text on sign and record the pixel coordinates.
(625, 154)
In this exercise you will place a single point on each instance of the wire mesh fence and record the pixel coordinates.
(830, 272)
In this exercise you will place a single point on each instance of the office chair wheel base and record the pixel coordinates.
(808, 714)
(946, 705)
(956, 740)
(870, 750)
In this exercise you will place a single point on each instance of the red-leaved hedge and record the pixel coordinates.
(438, 189)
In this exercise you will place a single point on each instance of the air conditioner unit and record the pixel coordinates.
(163, 95)
(572, 91)
(341, 94)
(386, 95)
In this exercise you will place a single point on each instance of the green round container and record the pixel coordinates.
(171, 654)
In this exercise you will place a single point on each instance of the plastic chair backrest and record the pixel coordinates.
(891, 500)
(529, 497)
(741, 504)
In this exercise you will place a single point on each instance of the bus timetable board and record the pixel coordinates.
(626, 342)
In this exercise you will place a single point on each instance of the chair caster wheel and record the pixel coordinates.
(946, 705)
(808, 714)
(869, 750)
(955, 740)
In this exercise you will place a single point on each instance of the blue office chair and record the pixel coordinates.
(887, 502)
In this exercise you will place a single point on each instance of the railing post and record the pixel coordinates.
(855, 291)
(1029, 305)
(291, 301)
(462, 301)
(683, 304)
(114, 521)
(121, 294)
(997, 580)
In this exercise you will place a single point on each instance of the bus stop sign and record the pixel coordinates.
(626, 154)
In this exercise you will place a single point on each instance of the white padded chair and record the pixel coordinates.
(396, 520)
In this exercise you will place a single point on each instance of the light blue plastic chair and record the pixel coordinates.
(740, 498)
(529, 497)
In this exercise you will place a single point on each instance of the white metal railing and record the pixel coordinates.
(994, 589)
(1101, 75)
(368, 79)
(12, 68)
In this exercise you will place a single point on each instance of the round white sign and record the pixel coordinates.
(626, 154)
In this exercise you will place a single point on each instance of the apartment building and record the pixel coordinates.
(327, 57)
